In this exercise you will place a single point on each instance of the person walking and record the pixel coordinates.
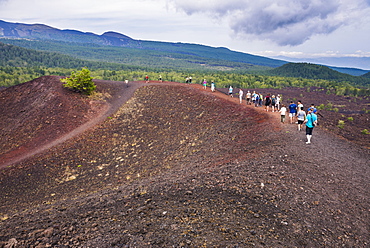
(205, 84)
(278, 99)
(241, 92)
(248, 97)
(282, 113)
(273, 103)
(257, 100)
(313, 107)
(267, 102)
(231, 91)
(213, 88)
(311, 122)
(292, 111)
(301, 117)
(260, 99)
(254, 96)
(299, 105)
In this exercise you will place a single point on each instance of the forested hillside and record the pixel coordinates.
(312, 71)
(18, 65)
(172, 58)
(367, 75)
(15, 56)
(119, 48)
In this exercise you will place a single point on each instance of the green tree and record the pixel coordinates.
(80, 82)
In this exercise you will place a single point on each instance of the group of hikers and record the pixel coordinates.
(296, 112)
(298, 115)
(146, 79)
(254, 98)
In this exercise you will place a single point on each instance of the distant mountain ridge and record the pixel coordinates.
(340, 62)
(118, 48)
(44, 32)
(313, 71)
(47, 33)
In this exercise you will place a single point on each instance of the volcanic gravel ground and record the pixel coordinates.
(178, 166)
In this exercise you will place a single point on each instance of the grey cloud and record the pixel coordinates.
(284, 22)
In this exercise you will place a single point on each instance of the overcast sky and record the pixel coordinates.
(294, 28)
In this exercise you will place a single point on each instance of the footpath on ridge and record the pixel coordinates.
(125, 93)
(228, 178)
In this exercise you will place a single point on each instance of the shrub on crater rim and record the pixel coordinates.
(80, 82)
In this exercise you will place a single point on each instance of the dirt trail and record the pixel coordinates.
(125, 94)
(226, 180)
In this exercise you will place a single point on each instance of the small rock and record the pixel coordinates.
(12, 243)
(48, 232)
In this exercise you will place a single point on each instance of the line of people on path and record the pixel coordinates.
(296, 112)
(270, 101)
(297, 115)
(254, 98)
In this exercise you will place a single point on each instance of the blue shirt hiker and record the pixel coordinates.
(311, 122)
(311, 118)
(292, 108)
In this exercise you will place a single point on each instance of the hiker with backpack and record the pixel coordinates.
(292, 111)
(311, 122)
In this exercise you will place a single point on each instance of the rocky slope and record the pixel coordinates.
(177, 166)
